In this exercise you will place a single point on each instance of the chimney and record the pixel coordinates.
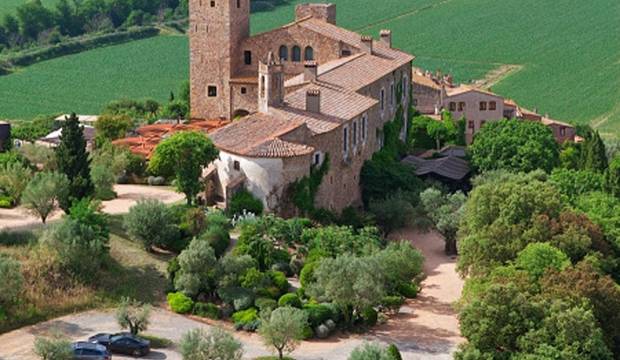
(310, 70)
(386, 37)
(367, 44)
(313, 100)
(323, 12)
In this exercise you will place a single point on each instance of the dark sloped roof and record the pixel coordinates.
(450, 167)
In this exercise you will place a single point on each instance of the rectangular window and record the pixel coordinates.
(354, 134)
(238, 4)
(392, 96)
(483, 106)
(405, 88)
(345, 141)
(212, 91)
(316, 160)
(247, 57)
(382, 100)
(470, 124)
(562, 131)
(212, 3)
(244, 90)
(461, 106)
(452, 106)
(236, 165)
(364, 128)
(492, 105)
(346, 53)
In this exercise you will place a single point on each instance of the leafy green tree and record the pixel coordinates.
(152, 223)
(392, 213)
(177, 109)
(197, 269)
(441, 131)
(112, 127)
(11, 280)
(593, 154)
(567, 333)
(284, 329)
(10, 23)
(536, 258)
(212, 344)
(383, 176)
(44, 192)
(370, 351)
(445, 211)
(399, 263)
(604, 210)
(184, 154)
(133, 315)
(573, 183)
(519, 146)
(494, 322)
(352, 283)
(14, 178)
(612, 177)
(53, 348)
(42, 157)
(34, 18)
(67, 18)
(570, 156)
(73, 161)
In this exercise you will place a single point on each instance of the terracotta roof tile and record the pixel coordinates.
(279, 148)
(425, 81)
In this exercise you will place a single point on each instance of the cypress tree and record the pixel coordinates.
(73, 161)
(595, 156)
(612, 177)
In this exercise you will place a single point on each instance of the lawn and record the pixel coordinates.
(568, 53)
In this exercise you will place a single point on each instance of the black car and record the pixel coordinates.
(122, 343)
(88, 351)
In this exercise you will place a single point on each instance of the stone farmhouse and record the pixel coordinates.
(434, 94)
(300, 94)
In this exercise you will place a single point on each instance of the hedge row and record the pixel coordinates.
(75, 46)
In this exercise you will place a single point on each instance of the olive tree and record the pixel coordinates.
(197, 268)
(14, 178)
(212, 344)
(284, 329)
(151, 222)
(133, 315)
(445, 211)
(53, 348)
(370, 351)
(11, 280)
(44, 192)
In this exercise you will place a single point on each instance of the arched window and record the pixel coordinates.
(283, 53)
(308, 53)
(296, 54)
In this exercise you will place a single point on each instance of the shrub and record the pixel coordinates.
(179, 303)
(54, 348)
(218, 238)
(11, 280)
(197, 268)
(194, 221)
(266, 304)
(208, 310)
(243, 301)
(392, 213)
(246, 320)
(152, 223)
(6, 202)
(370, 351)
(369, 315)
(408, 290)
(244, 200)
(393, 352)
(317, 313)
(217, 218)
(289, 300)
(321, 331)
(306, 276)
(279, 280)
(392, 304)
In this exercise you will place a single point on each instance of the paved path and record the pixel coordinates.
(128, 195)
(426, 328)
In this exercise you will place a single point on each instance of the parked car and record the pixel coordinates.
(83, 350)
(122, 343)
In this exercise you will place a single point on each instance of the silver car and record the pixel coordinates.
(83, 350)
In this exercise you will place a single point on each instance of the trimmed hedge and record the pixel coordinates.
(246, 319)
(179, 303)
(75, 46)
(317, 313)
(289, 300)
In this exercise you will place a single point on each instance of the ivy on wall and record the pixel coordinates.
(304, 190)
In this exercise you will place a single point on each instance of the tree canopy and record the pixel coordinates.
(184, 155)
(519, 146)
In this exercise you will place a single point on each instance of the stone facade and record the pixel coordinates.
(303, 92)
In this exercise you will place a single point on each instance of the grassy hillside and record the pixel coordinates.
(566, 51)
(84, 82)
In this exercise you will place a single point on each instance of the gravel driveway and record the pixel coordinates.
(426, 328)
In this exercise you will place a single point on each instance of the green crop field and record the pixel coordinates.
(9, 6)
(566, 53)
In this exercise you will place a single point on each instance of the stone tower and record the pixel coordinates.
(217, 28)
(271, 84)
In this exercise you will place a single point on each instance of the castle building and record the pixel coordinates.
(298, 94)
